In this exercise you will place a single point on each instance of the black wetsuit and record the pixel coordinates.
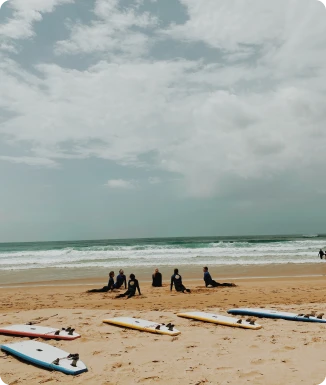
(321, 254)
(176, 280)
(157, 280)
(104, 289)
(121, 279)
(133, 285)
(209, 281)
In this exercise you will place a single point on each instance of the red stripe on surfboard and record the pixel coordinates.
(26, 334)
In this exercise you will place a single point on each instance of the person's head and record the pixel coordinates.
(205, 269)
(132, 276)
(156, 271)
(176, 271)
(121, 272)
(111, 274)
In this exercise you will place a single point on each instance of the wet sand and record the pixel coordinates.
(99, 276)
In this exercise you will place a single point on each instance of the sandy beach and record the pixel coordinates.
(281, 352)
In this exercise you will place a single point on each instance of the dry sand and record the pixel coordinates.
(282, 352)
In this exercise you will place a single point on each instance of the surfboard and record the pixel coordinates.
(39, 331)
(47, 356)
(143, 325)
(219, 319)
(276, 314)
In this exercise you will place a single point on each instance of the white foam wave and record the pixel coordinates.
(218, 253)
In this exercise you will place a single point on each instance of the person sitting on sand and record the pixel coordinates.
(104, 289)
(321, 254)
(133, 285)
(121, 279)
(210, 282)
(176, 279)
(157, 278)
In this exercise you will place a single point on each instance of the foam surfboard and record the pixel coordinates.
(276, 314)
(143, 325)
(219, 319)
(46, 356)
(39, 331)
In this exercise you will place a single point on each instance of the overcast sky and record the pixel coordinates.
(147, 118)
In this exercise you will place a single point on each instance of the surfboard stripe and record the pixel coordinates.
(43, 355)
(142, 325)
(219, 319)
(37, 331)
(274, 314)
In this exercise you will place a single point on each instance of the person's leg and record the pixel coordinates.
(103, 290)
(122, 295)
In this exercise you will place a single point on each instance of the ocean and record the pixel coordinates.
(123, 253)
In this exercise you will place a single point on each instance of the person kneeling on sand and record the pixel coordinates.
(104, 289)
(133, 285)
(176, 279)
(157, 279)
(210, 282)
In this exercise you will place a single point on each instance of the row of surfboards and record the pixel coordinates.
(50, 357)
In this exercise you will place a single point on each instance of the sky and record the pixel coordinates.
(154, 118)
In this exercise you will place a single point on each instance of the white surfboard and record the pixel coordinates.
(46, 356)
(219, 319)
(143, 325)
(39, 331)
(277, 314)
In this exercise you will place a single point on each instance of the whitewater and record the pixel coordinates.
(260, 250)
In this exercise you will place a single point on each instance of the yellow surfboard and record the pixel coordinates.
(220, 319)
(143, 325)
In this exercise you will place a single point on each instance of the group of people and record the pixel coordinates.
(133, 284)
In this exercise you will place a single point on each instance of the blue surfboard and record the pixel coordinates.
(47, 356)
(257, 312)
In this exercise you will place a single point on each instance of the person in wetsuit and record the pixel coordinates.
(110, 285)
(121, 279)
(321, 254)
(176, 280)
(157, 279)
(133, 285)
(209, 281)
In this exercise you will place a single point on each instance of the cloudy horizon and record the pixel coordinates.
(154, 118)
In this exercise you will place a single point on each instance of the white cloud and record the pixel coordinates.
(256, 113)
(121, 184)
(31, 161)
(25, 14)
(113, 31)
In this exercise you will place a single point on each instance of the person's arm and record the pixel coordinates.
(160, 279)
(125, 279)
(171, 283)
(138, 288)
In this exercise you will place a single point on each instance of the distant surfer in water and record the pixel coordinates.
(110, 285)
(321, 254)
(133, 285)
(157, 279)
(176, 280)
(210, 282)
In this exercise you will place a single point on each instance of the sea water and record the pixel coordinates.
(107, 254)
